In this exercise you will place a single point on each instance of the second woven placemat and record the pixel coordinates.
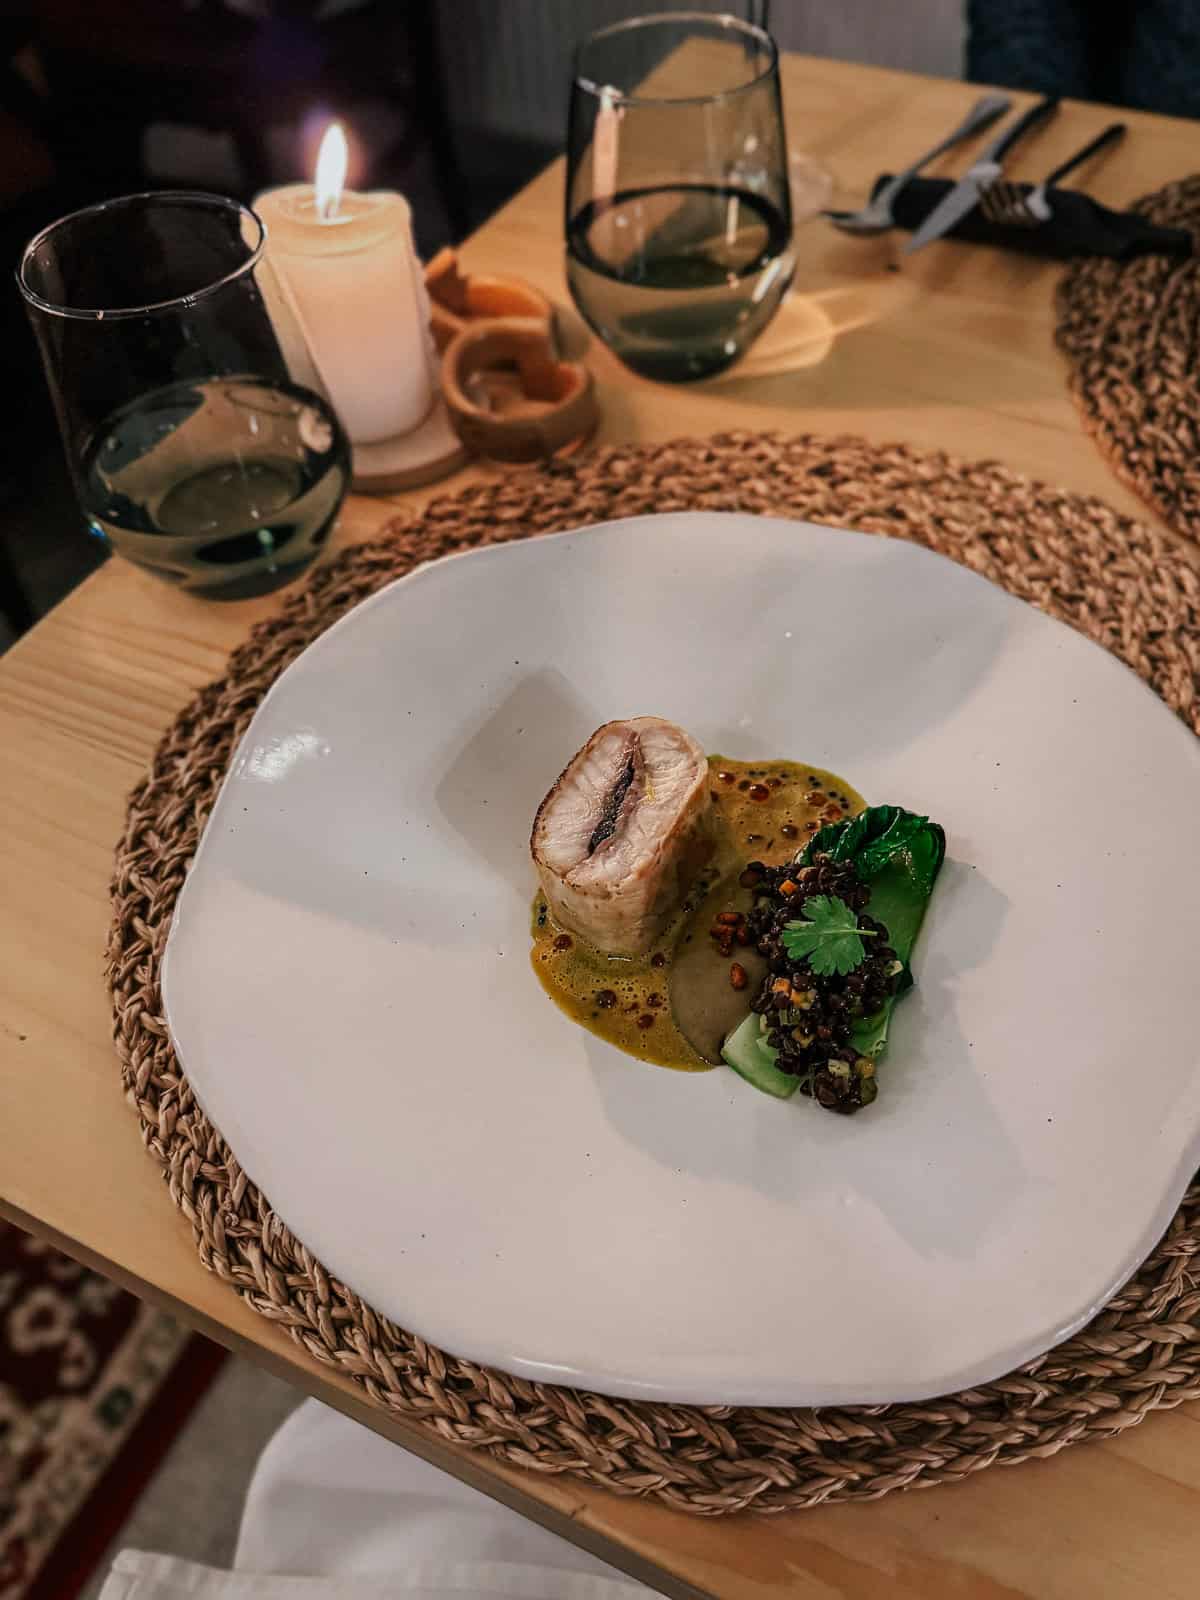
(1120, 582)
(1131, 330)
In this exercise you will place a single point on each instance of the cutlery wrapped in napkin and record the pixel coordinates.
(1077, 226)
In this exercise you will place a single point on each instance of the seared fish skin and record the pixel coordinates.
(621, 834)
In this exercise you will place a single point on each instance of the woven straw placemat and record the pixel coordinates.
(1131, 330)
(1124, 584)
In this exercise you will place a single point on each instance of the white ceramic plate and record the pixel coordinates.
(349, 988)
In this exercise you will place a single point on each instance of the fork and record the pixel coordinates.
(876, 215)
(1010, 204)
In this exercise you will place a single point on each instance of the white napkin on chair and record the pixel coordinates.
(136, 1575)
(365, 1520)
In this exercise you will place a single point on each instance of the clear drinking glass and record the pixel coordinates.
(679, 219)
(199, 450)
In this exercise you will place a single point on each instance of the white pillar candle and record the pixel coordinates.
(347, 267)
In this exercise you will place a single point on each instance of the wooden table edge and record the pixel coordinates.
(283, 1359)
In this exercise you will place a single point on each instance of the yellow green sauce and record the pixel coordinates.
(763, 811)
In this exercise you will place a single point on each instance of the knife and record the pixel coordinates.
(965, 195)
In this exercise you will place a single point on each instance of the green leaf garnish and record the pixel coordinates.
(831, 938)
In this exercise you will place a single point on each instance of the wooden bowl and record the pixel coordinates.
(509, 396)
(456, 300)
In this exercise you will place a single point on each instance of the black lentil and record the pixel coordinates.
(813, 1017)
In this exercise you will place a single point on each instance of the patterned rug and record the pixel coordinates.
(94, 1385)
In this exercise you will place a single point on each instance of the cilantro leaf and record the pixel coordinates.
(831, 938)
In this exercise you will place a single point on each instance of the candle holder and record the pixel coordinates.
(344, 268)
(430, 451)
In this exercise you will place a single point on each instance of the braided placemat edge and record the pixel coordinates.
(1118, 580)
(1130, 331)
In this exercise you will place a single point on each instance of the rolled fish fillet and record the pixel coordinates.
(623, 832)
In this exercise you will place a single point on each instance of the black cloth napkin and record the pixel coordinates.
(1078, 225)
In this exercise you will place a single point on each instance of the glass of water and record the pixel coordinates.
(679, 218)
(199, 449)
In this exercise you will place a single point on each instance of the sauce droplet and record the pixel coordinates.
(563, 942)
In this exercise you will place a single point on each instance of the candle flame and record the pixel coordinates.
(331, 170)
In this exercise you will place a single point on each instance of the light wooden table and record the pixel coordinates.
(953, 351)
